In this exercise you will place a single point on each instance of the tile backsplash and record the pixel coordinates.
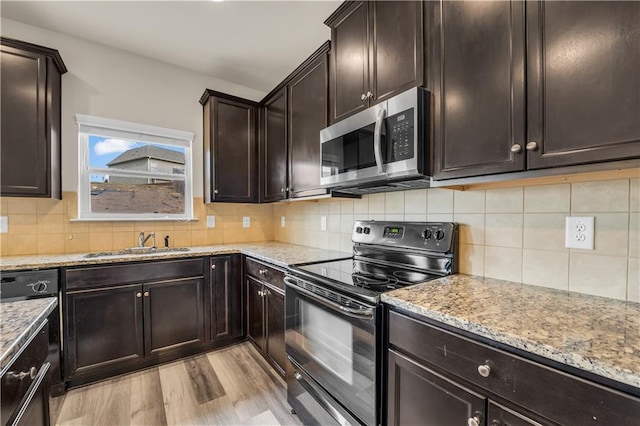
(43, 226)
(516, 234)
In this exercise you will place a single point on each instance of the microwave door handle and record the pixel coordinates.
(377, 140)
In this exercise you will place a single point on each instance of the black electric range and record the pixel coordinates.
(333, 316)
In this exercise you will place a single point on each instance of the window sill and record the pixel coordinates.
(133, 219)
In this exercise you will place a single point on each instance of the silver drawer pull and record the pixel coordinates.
(484, 370)
(23, 374)
(297, 375)
(516, 148)
(474, 421)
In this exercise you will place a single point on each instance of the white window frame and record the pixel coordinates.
(105, 127)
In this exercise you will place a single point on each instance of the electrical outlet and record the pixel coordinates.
(580, 232)
(4, 224)
(323, 223)
(282, 221)
(246, 222)
(211, 221)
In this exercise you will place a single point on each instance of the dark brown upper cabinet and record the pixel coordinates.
(292, 116)
(30, 95)
(230, 148)
(579, 103)
(308, 115)
(478, 85)
(583, 82)
(377, 52)
(274, 146)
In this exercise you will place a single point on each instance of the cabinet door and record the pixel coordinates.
(255, 312)
(105, 329)
(226, 304)
(349, 61)
(231, 150)
(396, 59)
(308, 110)
(275, 328)
(501, 416)
(583, 65)
(478, 70)
(274, 147)
(24, 148)
(419, 396)
(173, 315)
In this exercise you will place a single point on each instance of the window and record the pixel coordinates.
(133, 171)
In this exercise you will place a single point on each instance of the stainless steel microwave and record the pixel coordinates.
(386, 145)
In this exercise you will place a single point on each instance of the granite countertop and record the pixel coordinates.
(280, 254)
(595, 334)
(20, 320)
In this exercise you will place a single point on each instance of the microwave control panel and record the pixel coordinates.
(400, 136)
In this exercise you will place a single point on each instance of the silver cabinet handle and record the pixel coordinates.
(369, 95)
(516, 147)
(146, 294)
(363, 97)
(532, 146)
(138, 294)
(215, 191)
(23, 374)
(281, 189)
(297, 375)
(484, 370)
(213, 266)
(474, 421)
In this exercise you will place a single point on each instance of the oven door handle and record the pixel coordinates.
(354, 313)
(377, 140)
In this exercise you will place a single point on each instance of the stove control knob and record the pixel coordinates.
(367, 230)
(359, 230)
(39, 287)
(427, 234)
(439, 235)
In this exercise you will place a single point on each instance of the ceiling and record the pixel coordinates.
(252, 43)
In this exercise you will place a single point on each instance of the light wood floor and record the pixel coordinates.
(231, 386)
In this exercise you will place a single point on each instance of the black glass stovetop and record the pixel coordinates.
(366, 277)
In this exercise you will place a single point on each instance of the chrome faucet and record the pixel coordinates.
(142, 239)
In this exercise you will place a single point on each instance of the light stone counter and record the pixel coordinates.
(280, 254)
(594, 334)
(18, 322)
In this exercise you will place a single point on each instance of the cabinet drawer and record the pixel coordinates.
(22, 372)
(263, 272)
(152, 270)
(550, 393)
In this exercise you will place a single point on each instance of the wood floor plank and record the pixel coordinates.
(105, 403)
(180, 404)
(205, 382)
(230, 386)
(147, 402)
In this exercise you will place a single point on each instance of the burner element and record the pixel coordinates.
(374, 281)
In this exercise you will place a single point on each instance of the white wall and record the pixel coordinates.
(112, 83)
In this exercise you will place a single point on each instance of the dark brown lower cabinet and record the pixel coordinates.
(265, 311)
(105, 329)
(173, 315)
(438, 377)
(117, 322)
(226, 299)
(417, 395)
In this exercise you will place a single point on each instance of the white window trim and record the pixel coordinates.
(105, 127)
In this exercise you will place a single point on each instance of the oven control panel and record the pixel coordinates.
(393, 232)
(434, 236)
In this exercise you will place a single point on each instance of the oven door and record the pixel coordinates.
(332, 340)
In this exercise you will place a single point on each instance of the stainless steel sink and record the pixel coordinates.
(137, 250)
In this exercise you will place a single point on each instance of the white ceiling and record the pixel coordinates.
(252, 43)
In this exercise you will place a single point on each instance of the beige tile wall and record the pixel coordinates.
(43, 226)
(515, 234)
